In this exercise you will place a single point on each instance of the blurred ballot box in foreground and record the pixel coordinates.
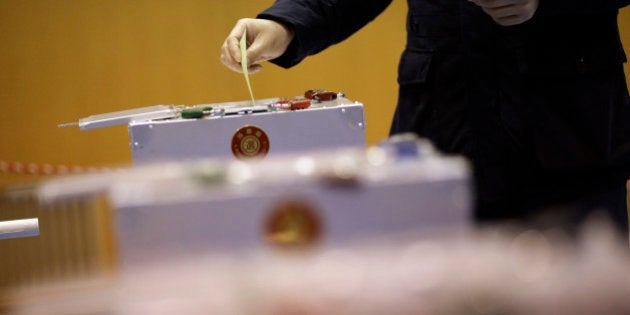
(306, 201)
(511, 272)
(318, 120)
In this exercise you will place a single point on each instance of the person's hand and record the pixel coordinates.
(266, 40)
(508, 12)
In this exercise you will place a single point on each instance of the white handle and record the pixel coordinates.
(19, 228)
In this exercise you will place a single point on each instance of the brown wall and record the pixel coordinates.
(62, 60)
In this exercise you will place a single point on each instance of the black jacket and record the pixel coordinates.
(544, 101)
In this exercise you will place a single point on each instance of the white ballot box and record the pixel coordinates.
(304, 201)
(239, 130)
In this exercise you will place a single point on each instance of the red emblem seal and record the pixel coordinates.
(250, 142)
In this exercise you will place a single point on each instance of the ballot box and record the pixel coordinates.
(291, 202)
(242, 130)
(306, 201)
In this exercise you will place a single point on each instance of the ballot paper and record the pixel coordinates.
(243, 45)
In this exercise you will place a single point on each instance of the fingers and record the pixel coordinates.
(511, 20)
(228, 59)
(255, 52)
(508, 12)
(266, 40)
(497, 3)
(230, 50)
(236, 66)
(255, 68)
(509, 15)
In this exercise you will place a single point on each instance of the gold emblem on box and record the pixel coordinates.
(293, 224)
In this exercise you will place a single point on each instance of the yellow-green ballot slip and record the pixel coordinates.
(243, 45)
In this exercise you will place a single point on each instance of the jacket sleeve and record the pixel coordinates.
(319, 24)
(572, 7)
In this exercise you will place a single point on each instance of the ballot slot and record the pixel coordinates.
(311, 98)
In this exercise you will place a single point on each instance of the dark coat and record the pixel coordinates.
(541, 108)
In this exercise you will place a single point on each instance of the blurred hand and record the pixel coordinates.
(266, 40)
(508, 12)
